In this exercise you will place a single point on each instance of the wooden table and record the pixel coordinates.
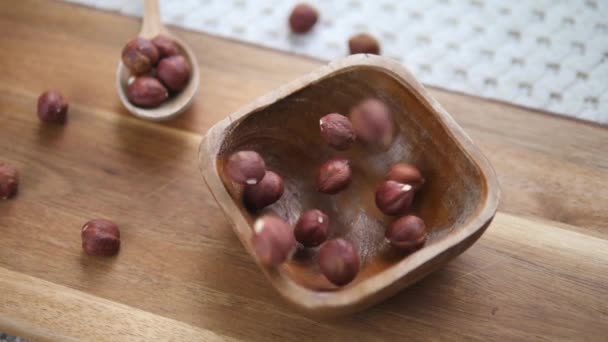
(540, 271)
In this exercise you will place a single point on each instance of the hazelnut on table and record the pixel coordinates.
(303, 17)
(52, 107)
(100, 238)
(9, 180)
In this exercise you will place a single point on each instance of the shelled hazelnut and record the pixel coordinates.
(273, 240)
(166, 46)
(100, 238)
(407, 233)
(312, 228)
(337, 131)
(174, 72)
(363, 43)
(265, 192)
(9, 180)
(52, 107)
(406, 174)
(246, 167)
(303, 17)
(394, 198)
(140, 55)
(373, 123)
(147, 92)
(339, 261)
(334, 176)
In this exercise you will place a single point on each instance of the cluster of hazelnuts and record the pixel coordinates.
(303, 17)
(158, 68)
(274, 240)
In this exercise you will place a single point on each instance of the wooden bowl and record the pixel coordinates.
(457, 202)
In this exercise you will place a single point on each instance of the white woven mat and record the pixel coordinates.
(545, 54)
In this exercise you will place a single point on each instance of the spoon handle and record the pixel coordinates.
(151, 24)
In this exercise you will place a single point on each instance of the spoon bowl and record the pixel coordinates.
(177, 103)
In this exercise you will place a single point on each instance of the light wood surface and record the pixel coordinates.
(457, 203)
(540, 272)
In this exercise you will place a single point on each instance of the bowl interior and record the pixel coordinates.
(286, 134)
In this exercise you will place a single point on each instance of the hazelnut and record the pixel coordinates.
(166, 46)
(339, 261)
(406, 174)
(52, 107)
(407, 233)
(334, 176)
(273, 240)
(9, 180)
(394, 198)
(147, 92)
(363, 43)
(373, 122)
(246, 167)
(139, 55)
(337, 131)
(303, 18)
(174, 72)
(266, 192)
(312, 228)
(100, 238)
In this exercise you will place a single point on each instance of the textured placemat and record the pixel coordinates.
(544, 54)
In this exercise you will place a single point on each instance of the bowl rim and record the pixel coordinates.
(349, 297)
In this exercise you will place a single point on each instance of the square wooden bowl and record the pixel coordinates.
(457, 202)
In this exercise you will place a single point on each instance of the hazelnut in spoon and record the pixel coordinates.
(166, 91)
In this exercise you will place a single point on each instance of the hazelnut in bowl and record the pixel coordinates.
(370, 234)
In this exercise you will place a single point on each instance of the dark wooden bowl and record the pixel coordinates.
(457, 202)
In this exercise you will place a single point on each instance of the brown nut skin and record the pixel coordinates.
(174, 72)
(140, 55)
(166, 46)
(273, 240)
(246, 167)
(52, 107)
(334, 176)
(9, 180)
(406, 174)
(407, 233)
(265, 193)
(312, 228)
(337, 131)
(100, 238)
(147, 92)
(394, 198)
(339, 261)
(363, 43)
(373, 122)
(303, 17)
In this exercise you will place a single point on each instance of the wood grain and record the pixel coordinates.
(527, 278)
(535, 155)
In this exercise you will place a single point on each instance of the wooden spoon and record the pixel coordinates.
(175, 105)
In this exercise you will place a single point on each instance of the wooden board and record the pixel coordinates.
(539, 272)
